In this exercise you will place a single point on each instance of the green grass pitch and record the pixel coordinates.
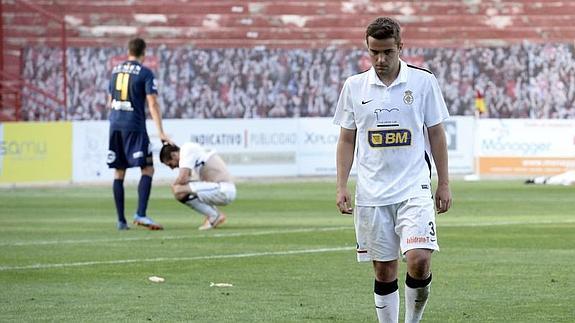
(507, 255)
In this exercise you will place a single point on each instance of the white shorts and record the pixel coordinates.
(214, 193)
(385, 232)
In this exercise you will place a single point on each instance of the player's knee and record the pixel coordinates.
(385, 271)
(119, 174)
(182, 198)
(148, 170)
(418, 263)
(177, 195)
(180, 190)
(225, 199)
(229, 193)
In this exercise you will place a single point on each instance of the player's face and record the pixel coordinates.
(384, 55)
(172, 163)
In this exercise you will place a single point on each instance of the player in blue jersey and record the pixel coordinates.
(132, 86)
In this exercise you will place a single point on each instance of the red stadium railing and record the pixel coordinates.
(14, 89)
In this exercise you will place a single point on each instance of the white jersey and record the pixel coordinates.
(567, 178)
(194, 156)
(392, 149)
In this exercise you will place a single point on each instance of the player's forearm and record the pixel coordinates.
(157, 117)
(344, 161)
(442, 168)
(438, 145)
(183, 176)
(181, 181)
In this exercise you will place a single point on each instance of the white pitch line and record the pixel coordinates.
(489, 224)
(131, 261)
(216, 235)
(258, 233)
(243, 255)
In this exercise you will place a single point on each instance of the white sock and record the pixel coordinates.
(387, 307)
(415, 301)
(208, 210)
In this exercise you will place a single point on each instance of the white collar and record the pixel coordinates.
(401, 77)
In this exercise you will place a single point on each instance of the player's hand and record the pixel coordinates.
(443, 198)
(165, 140)
(343, 202)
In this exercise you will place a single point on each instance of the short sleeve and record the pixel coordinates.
(435, 108)
(151, 83)
(188, 156)
(111, 84)
(344, 115)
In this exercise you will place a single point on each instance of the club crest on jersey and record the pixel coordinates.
(111, 157)
(389, 138)
(408, 97)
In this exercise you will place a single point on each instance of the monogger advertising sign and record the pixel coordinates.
(526, 146)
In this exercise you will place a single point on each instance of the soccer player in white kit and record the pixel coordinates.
(567, 178)
(391, 117)
(203, 182)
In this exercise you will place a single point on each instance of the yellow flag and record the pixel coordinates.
(480, 103)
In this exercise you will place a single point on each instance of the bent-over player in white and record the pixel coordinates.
(391, 117)
(203, 182)
(566, 178)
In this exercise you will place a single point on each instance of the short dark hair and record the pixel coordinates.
(136, 47)
(166, 152)
(384, 28)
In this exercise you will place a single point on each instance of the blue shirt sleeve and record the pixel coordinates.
(111, 85)
(151, 83)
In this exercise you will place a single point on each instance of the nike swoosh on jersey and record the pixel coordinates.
(366, 102)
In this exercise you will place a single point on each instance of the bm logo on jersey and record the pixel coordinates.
(385, 138)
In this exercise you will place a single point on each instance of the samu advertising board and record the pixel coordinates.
(35, 152)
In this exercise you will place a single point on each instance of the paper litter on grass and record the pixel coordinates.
(156, 279)
(220, 285)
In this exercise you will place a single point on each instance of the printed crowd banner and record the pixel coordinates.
(525, 146)
(36, 152)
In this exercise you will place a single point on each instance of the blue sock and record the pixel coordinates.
(144, 189)
(118, 189)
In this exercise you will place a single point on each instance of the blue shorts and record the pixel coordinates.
(129, 149)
